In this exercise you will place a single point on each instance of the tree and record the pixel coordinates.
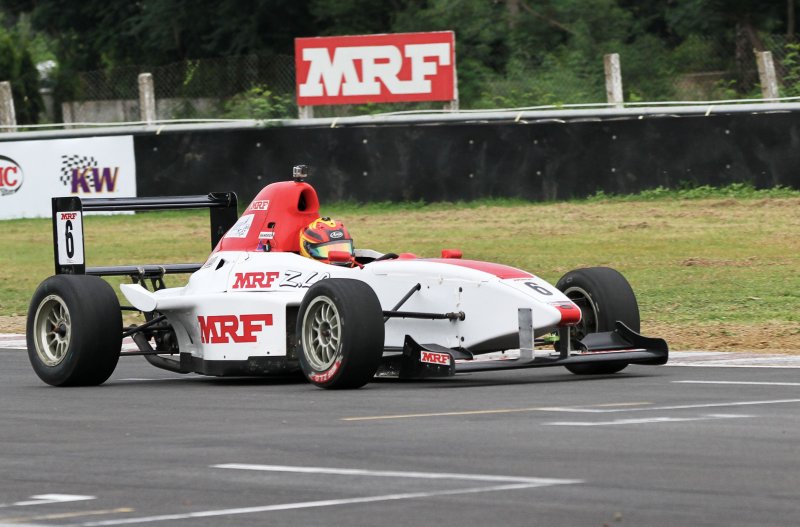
(509, 51)
(17, 67)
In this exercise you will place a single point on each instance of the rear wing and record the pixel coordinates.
(68, 246)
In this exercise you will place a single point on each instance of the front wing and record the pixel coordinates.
(622, 345)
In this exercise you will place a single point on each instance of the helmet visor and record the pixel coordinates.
(322, 250)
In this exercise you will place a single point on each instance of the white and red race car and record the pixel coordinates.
(257, 307)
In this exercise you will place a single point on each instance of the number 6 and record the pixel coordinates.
(69, 239)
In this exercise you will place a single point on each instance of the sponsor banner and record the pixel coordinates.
(236, 329)
(400, 67)
(32, 172)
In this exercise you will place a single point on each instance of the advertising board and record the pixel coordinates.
(399, 67)
(33, 171)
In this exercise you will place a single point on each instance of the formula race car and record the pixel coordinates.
(284, 291)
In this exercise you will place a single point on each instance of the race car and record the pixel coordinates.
(283, 291)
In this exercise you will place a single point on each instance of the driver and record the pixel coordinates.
(323, 235)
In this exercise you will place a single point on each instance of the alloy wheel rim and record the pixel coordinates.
(52, 330)
(322, 333)
(589, 316)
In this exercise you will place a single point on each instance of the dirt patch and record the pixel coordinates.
(12, 324)
(767, 338)
(730, 202)
(707, 262)
(640, 225)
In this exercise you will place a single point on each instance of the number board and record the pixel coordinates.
(69, 233)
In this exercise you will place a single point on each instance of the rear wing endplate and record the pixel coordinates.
(68, 246)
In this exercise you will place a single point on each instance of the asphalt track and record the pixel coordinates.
(651, 446)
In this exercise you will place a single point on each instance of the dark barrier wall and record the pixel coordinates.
(546, 159)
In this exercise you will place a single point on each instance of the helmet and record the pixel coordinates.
(323, 235)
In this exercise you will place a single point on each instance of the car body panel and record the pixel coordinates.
(245, 284)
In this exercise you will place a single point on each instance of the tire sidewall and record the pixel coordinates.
(612, 299)
(328, 376)
(609, 292)
(95, 330)
(362, 333)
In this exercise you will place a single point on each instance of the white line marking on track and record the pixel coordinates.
(661, 408)
(475, 412)
(647, 420)
(142, 379)
(511, 483)
(720, 364)
(747, 383)
(395, 474)
(314, 504)
(45, 499)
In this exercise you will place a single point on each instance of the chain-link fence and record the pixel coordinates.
(236, 87)
(260, 87)
(700, 69)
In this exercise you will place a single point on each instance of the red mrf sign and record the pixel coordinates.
(400, 67)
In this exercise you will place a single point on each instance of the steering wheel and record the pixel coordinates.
(387, 256)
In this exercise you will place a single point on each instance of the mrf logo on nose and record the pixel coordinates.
(398, 67)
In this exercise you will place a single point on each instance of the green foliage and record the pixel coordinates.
(259, 103)
(510, 52)
(697, 53)
(791, 77)
(740, 191)
(17, 67)
(354, 17)
(480, 37)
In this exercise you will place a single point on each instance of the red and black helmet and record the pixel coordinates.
(322, 236)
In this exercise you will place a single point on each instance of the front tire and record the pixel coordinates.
(341, 333)
(74, 330)
(603, 296)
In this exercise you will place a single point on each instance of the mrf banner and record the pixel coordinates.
(400, 67)
(33, 171)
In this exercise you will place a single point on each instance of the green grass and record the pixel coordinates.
(711, 267)
(733, 191)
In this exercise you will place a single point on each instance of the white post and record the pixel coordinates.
(8, 117)
(147, 98)
(613, 79)
(766, 75)
(305, 112)
(452, 106)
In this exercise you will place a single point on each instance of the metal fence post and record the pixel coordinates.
(147, 98)
(8, 117)
(766, 75)
(613, 79)
(452, 106)
(305, 112)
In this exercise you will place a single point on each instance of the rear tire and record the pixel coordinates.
(74, 330)
(604, 296)
(341, 333)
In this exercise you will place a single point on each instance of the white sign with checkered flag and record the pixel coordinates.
(86, 166)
